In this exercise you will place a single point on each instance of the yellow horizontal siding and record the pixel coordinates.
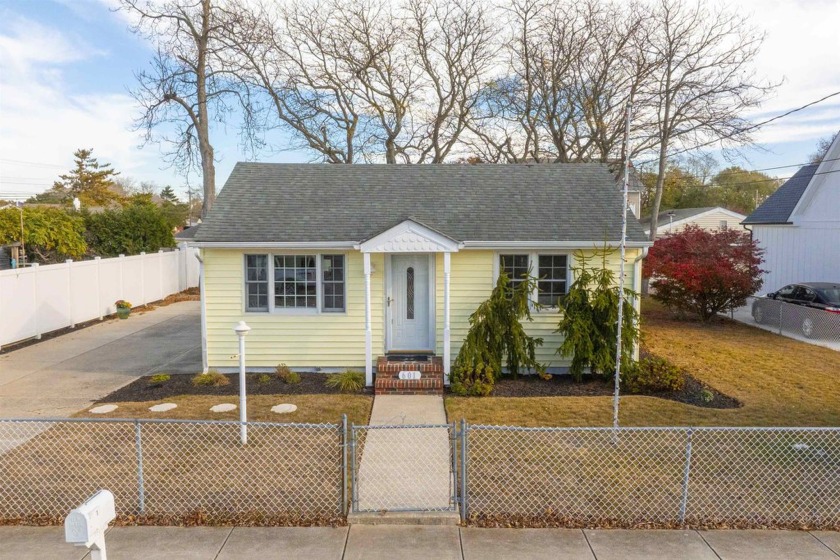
(338, 340)
(317, 340)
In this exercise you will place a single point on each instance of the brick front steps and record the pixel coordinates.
(389, 383)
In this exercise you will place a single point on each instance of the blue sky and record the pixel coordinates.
(66, 66)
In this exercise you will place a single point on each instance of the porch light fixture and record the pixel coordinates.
(241, 329)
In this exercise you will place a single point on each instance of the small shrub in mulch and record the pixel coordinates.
(210, 379)
(311, 383)
(286, 375)
(658, 378)
(347, 381)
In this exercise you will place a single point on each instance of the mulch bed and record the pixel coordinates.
(565, 386)
(142, 390)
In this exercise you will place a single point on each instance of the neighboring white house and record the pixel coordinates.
(798, 226)
(709, 218)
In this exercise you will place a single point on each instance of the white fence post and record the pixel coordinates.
(69, 263)
(99, 286)
(143, 276)
(160, 272)
(122, 277)
(35, 307)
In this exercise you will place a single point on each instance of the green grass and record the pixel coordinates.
(780, 381)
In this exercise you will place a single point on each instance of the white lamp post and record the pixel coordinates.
(241, 329)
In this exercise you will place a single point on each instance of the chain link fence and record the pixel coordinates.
(198, 471)
(403, 468)
(666, 476)
(173, 469)
(810, 324)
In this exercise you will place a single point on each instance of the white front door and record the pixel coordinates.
(409, 314)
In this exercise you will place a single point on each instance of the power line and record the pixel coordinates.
(32, 163)
(747, 129)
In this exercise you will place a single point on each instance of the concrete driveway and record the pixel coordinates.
(61, 376)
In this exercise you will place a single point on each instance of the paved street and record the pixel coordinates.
(60, 376)
(422, 543)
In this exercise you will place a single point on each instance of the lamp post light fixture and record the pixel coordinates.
(241, 329)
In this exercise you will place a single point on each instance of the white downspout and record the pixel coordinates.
(447, 265)
(204, 365)
(637, 282)
(368, 328)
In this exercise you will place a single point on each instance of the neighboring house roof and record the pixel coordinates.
(678, 216)
(187, 233)
(268, 202)
(779, 205)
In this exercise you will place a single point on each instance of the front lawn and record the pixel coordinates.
(780, 381)
(315, 409)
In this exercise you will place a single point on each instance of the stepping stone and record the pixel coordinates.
(104, 409)
(223, 408)
(164, 407)
(283, 408)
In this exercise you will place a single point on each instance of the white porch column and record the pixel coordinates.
(368, 332)
(447, 265)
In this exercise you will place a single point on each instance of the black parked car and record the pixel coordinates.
(817, 308)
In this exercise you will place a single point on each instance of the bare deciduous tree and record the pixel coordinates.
(703, 80)
(187, 85)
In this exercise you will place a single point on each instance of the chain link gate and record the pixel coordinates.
(403, 468)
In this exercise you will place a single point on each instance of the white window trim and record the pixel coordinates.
(319, 288)
(533, 266)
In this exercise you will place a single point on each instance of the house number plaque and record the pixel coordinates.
(409, 374)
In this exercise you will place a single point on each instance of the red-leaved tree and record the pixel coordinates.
(704, 272)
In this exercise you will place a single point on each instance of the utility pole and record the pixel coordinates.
(622, 248)
(190, 205)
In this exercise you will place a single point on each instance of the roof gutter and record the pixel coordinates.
(550, 244)
(465, 244)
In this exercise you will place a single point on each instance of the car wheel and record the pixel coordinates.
(758, 315)
(808, 327)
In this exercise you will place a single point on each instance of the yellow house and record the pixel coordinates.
(378, 267)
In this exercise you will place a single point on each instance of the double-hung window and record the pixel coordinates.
(516, 267)
(256, 282)
(310, 283)
(552, 274)
(550, 270)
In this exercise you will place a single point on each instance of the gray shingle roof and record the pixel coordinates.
(779, 205)
(269, 202)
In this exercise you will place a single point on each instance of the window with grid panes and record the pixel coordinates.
(295, 282)
(332, 281)
(552, 276)
(256, 282)
(516, 268)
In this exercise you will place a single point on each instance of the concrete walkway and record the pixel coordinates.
(421, 543)
(405, 468)
(60, 376)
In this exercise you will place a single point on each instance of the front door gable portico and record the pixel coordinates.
(410, 236)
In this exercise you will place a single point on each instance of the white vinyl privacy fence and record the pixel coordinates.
(39, 299)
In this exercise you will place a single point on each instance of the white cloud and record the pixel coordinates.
(43, 123)
(801, 49)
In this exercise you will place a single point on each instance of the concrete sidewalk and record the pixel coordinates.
(60, 376)
(422, 543)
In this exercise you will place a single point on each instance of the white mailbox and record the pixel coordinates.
(86, 525)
